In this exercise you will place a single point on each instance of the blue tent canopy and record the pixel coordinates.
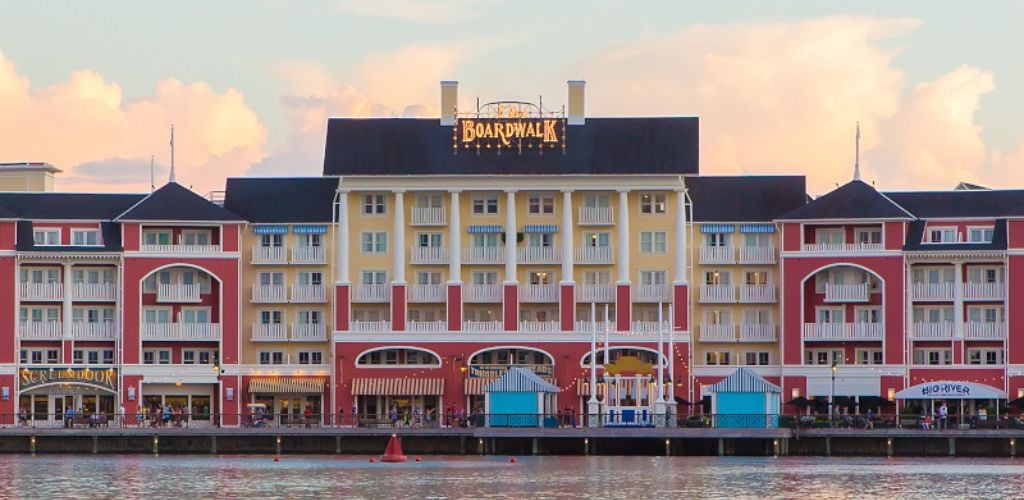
(744, 380)
(520, 380)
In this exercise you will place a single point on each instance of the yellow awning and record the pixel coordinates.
(286, 384)
(397, 386)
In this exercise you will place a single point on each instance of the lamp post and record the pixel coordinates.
(832, 394)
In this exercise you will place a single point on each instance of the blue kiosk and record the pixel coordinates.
(745, 399)
(520, 398)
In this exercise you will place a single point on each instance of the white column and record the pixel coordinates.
(567, 237)
(958, 299)
(454, 241)
(681, 233)
(398, 249)
(67, 316)
(343, 244)
(510, 237)
(624, 235)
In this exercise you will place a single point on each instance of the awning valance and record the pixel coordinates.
(757, 228)
(520, 380)
(286, 384)
(319, 229)
(270, 229)
(717, 228)
(540, 228)
(486, 229)
(744, 380)
(946, 389)
(397, 386)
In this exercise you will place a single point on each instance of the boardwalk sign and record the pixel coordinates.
(944, 389)
(43, 376)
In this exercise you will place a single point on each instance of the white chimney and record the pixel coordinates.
(576, 115)
(449, 100)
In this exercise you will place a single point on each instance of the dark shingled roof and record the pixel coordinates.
(66, 206)
(961, 203)
(110, 232)
(405, 146)
(853, 200)
(745, 198)
(173, 202)
(915, 234)
(282, 200)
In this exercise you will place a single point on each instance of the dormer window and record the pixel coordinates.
(870, 236)
(46, 237)
(941, 235)
(831, 236)
(85, 237)
(980, 234)
(156, 238)
(195, 237)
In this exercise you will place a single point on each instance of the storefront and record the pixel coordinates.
(285, 399)
(47, 393)
(402, 402)
(193, 402)
(965, 401)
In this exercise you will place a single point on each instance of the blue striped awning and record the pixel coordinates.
(518, 379)
(540, 228)
(757, 228)
(744, 380)
(270, 229)
(717, 228)
(486, 229)
(310, 229)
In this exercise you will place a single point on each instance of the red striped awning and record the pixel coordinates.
(475, 386)
(397, 386)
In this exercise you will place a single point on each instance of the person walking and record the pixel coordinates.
(943, 414)
(120, 416)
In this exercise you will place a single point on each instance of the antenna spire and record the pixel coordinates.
(171, 178)
(152, 180)
(856, 160)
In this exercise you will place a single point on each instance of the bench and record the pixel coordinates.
(87, 420)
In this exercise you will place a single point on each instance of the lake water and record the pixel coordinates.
(188, 477)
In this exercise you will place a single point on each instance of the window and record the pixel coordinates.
(597, 239)
(485, 204)
(652, 277)
(540, 204)
(652, 241)
(718, 317)
(756, 358)
(310, 317)
(829, 315)
(40, 276)
(271, 357)
(717, 357)
(151, 237)
(153, 315)
(39, 356)
(156, 356)
(91, 276)
(271, 317)
(980, 234)
(40, 314)
(46, 237)
(311, 240)
(374, 242)
(597, 278)
(197, 357)
(937, 314)
(538, 240)
(984, 314)
(271, 240)
(932, 275)
(757, 316)
(484, 278)
(985, 356)
(869, 236)
(428, 277)
(195, 237)
(868, 314)
(597, 201)
(652, 203)
(310, 278)
(753, 278)
(403, 357)
(429, 240)
(92, 315)
(484, 240)
(757, 240)
(429, 201)
(311, 358)
(979, 274)
(829, 236)
(271, 278)
(933, 356)
(85, 237)
(824, 357)
(941, 235)
(373, 277)
(717, 239)
(426, 315)
(539, 278)
(716, 277)
(195, 315)
(868, 356)
(373, 204)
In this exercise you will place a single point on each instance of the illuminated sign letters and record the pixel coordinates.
(40, 376)
(509, 125)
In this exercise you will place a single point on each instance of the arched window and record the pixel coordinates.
(398, 357)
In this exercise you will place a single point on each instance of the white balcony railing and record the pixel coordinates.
(933, 331)
(482, 326)
(309, 294)
(263, 294)
(847, 292)
(309, 332)
(595, 293)
(843, 331)
(273, 332)
(717, 255)
(932, 291)
(484, 255)
(371, 326)
(427, 293)
(596, 216)
(842, 247)
(652, 293)
(539, 326)
(980, 330)
(588, 327)
(309, 255)
(181, 249)
(718, 333)
(757, 255)
(594, 255)
(427, 326)
(717, 293)
(650, 327)
(181, 331)
(428, 216)
(538, 293)
(269, 255)
(372, 293)
(984, 291)
(757, 293)
(428, 255)
(757, 332)
(482, 293)
(42, 291)
(94, 291)
(104, 330)
(40, 330)
(178, 293)
(539, 255)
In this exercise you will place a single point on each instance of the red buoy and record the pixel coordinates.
(373, 460)
(277, 458)
(393, 453)
(418, 459)
(512, 460)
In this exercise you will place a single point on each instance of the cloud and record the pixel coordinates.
(85, 119)
(424, 11)
(131, 171)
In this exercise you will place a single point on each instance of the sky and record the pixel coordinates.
(93, 87)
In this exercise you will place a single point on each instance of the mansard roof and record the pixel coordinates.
(174, 202)
(282, 200)
(961, 203)
(853, 200)
(745, 198)
(65, 206)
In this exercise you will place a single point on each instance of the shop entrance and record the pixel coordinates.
(47, 405)
(398, 411)
(290, 408)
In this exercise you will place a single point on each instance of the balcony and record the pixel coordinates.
(178, 293)
(594, 255)
(428, 255)
(718, 333)
(842, 331)
(42, 291)
(427, 326)
(717, 255)
(980, 330)
(309, 255)
(482, 293)
(372, 293)
(269, 255)
(309, 294)
(40, 330)
(650, 327)
(717, 293)
(94, 292)
(482, 326)
(539, 255)
(932, 291)
(181, 249)
(181, 331)
(269, 294)
(842, 247)
(847, 292)
(933, 331)
(757, 255)
(652, 293)
(596, 216)
(309, 332)
(427, 293)
(371, 326)
(595, 293)
(757, 332)
(484, 255)
(538, 293)
(602, 327)
(81, 330)
(273, 332)
(984, 291)
(429, 216)
(757, 294)
(539, 326)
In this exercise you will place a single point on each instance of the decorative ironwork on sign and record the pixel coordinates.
(509, 126)
(105, 378)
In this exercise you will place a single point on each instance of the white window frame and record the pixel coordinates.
(653, 246)
(47, 234)
(539, 204)
(821, 231)
(374, 204)
(485, 204)
(718, 358)
(157, 233)
(857, 232)
(655, 204)
(767, 355)
(972, 230)
(943, 232)
(376, 239)
(84, 233)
